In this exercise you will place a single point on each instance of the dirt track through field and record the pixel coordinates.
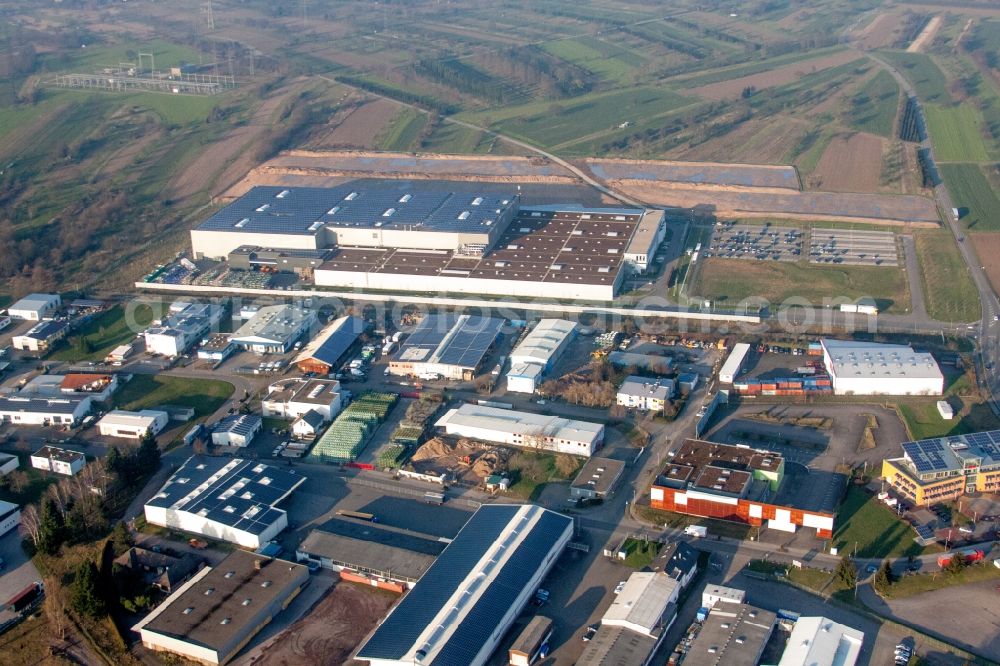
(926, 36)
(851, 163)
(775, 77)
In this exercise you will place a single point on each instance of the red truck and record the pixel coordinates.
(970, 554)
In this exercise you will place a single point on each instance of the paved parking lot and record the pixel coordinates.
(18, 571)
(732, 240)
(853, 247)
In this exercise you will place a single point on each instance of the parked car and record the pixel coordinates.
(591, 630)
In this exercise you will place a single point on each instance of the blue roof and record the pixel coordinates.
(248, 507)
(45, 330)
(239, 424)
(398, 633)
(333, 341)
(371, 203)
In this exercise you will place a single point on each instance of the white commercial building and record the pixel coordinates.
(60, 461)
(866, 368)
(648, 236)
(945, 410)
(35, 307)
(461, 608)
(10, 517)
(8, 463)
(292, 398)
(42, 336)
(818, 641)
(236, 430)
(133, 425)
(274, 329)
(223, 498)
(182, 329)
(523, 429)
(644, 603)
(652, 395)
(734, 363)
(537, 353)
(43, 411)
(720, 594)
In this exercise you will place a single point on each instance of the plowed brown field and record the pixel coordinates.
(851, 163)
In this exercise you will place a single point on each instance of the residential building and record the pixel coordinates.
(731, 635)
(461, 608)
(21, 410)
(187, 324)
(523, 429)
(230, 499)
(720, 594)
(448, 346)
(133, 425)
(865, 368)
(236, 430)
(213, 616)
(274, 329)
(292, 398)
(326, 352)
(735, 483)
(58, 461)
(537, 353)
(42, 336)
(680, 562)
(308, 426)
(35, 307)
(941, 469)
(650, 395)
(597, 479)
(164, 572)
(819, 641)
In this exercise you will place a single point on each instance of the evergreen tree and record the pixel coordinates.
(85, 596)
(956, 564)
(50, 527)
(121, 539)
(113, 461)
(883, 578)
(148, 455)
(846, 573)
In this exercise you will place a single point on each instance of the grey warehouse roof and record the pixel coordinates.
(369, 203)
(232, 491)
(41, 405)
(472, 627)
(333, 341)
(460, 340)
(238, 424)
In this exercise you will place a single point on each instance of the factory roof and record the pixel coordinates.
(372, 203)
(731, 635)
(333, 341)
(521, 423)
(643, 601)
(67, 405)
(954, 453)
(44, 330)
(724, 468)
(449, 339)
(373, 548)
(541, 344)
(238, 424)
(645, 234)
(465, 595)
(60, 455)
(818, 641)
(644, 387)
(307, 391)
(214, 607)
(273, 324)
(236, 492)
(879, 361)
(143, 418)
(35, 302)
(269, 255)
(85, 382)
(599, 474)
(188, 319)
(616, 646)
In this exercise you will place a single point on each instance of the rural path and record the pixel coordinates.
(918, 306)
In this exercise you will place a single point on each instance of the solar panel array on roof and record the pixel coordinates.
(951, 453)
(927, 455)
(399, 632)
(467, 346)
(239, 424)
(371, 203)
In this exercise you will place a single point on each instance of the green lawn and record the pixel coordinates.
(972, 194)
(949, 292)
(870, 525)
(923, 420)
(727, 282)
(957, 133)
(640, 554)
(873, 108)
(105, 332)
(912, 584)
(148, 391)
(921, 71)
(532, 471)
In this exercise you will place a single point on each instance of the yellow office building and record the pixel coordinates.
(944, 468)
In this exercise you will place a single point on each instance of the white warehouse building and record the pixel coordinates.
(523, 429)
(866, 368)
(274, 329)
(230, 499)
(537, 353)
(35, 307)
(133, 425)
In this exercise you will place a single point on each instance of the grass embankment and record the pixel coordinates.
(149, 391)
(912, 584)
(949, 292)
(727, 282)
(875, 530)
(532, 471)
(677, 520)
(103, 333)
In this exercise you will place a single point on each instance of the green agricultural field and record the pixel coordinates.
(873, 109)
(402, 133)
(606, 60)
(973, 195)
(957, 133)
(149, 391)
(728, 282)
(869, 526)
(923, 73)
(450, 138)
(103, 333)
(756, 67)
(948, 288)
(165, 55)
